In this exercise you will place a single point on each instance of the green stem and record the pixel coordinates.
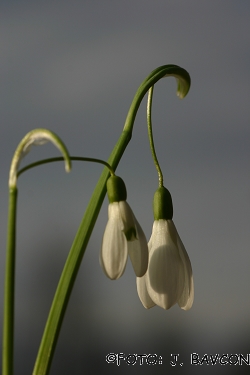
(150, 135)
(8, 319)
(38, 137)
(79, 245)
(60, 158)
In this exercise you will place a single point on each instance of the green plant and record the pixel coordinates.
(123, 224)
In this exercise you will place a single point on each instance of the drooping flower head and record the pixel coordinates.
(169, 278)
(123, 235)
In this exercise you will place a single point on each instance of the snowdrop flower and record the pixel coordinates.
(123, 235)
(169, 278)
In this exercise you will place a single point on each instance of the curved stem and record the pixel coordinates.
(182, 77)
(60, 158)
(79, 245)
(150, 135)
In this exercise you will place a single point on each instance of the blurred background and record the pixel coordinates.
(73, 67)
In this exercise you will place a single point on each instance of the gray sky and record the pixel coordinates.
(73, 67)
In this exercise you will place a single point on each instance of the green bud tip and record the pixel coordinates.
(116, 189)
(163, 206)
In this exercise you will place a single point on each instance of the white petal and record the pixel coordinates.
(143, 293)
(114, 213)
(128, 220)
(186, 299)
(138, 251)
(187, 296)
(164, 278)
(137, 243)
(114, 252)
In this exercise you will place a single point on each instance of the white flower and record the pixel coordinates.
(169, 278)
(123, 235)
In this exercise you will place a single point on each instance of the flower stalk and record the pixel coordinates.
(150, 135)
(59, 158)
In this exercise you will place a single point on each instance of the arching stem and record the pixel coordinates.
(150, 135)
(60, 158)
